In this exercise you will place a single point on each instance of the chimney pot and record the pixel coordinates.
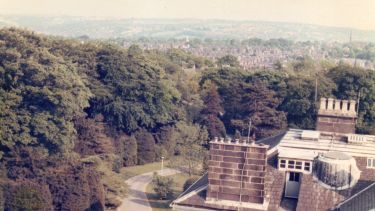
(352, 104)
(344, 106)
(330, 104)
(323, 103)
(337, 105)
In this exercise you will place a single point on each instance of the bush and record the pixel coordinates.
(162, 186)
(26, 195)
(189, 182)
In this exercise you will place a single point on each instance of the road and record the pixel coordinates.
(137, 199)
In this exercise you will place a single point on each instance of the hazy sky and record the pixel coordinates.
(352, 13)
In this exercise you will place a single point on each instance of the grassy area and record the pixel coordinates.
(132, 171)
(163, 205)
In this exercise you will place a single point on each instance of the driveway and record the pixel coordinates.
(137, 199)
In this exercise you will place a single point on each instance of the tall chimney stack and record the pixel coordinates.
(236, 174)
(338, 116)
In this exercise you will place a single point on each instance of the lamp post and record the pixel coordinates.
(162, 164)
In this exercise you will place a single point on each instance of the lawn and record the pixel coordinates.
(132, 171)
(163, 205)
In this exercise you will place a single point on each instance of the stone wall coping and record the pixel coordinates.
(237, 143)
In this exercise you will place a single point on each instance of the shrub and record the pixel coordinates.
(162, 186)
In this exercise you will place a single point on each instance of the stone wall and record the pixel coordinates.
(228, 161)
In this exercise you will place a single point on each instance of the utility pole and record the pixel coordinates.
(248, 132)
(162, 164)
(316, 89)
(359, 96)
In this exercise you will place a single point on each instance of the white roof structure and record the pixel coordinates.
(295, 144)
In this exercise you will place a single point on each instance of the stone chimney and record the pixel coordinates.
(338, 116)
(236, 173)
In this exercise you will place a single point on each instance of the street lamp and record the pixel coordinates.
(162, 164)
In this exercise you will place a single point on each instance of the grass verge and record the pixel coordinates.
(132, 171)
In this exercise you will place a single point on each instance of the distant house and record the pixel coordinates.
(331, 168)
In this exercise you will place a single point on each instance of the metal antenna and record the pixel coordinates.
(359, 96)
(316, 89)
(248, 132)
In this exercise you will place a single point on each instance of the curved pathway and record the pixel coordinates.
(136, 199)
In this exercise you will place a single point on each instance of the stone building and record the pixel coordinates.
(331, 168)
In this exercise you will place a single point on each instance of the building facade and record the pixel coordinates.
(330, 168)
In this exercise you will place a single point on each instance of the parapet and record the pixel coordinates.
(239, 142)
(335, 107)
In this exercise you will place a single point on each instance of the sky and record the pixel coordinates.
(358, 14)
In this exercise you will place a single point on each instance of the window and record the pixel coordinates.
(294, 176)
(370, 162)
(307, 166)
(290, 164)
(299, 166)
(282, 164)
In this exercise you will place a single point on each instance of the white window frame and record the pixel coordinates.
(291, 165)
(370, 163)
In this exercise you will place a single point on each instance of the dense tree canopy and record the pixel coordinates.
(75, 112)
(40, 94)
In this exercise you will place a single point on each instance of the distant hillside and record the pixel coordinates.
(165, 29)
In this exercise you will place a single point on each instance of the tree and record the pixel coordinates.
(228, 61)
(299, 99)
(146, 147)
(162, 186)
(211, 113)
(91, 137)
(134, 93)
(130, 151)
(352, 81)
(40, 95)
(260, 106)
(190, 150)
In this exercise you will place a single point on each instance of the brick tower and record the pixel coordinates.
(236, 175)
(338, 116)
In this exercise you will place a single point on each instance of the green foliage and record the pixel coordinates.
(40, 94)
(190, 150)
(135, 93)
(352, 82)
(146, 147)
(246, 96)
(130, 153)
(25, 195)
(66, 106)
(211, 113)
(162, 186)
(299, 99)
(92, 137)
(27, 199)
(228, 61)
